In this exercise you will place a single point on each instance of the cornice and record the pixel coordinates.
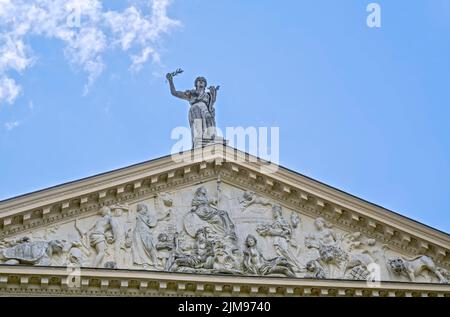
(25, 280)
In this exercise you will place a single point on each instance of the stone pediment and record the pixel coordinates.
(218, 212)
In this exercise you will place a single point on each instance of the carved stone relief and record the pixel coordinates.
(212, 230)
(255, 263)
(281, 234)
(25, 251)
(413, 267)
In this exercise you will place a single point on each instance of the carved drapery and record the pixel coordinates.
(239, 233)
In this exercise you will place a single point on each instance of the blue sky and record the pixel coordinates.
(362, 109)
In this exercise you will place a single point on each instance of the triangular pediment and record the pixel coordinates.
(218, 211)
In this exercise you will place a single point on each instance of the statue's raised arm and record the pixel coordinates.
(173, 90)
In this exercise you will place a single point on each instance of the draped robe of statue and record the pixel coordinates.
(201, 116)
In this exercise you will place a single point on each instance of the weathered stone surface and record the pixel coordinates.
(199, 229)
(234, 229)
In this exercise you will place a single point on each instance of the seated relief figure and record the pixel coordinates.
(25, 251)
(314, 270)
(164, 242)
(220, 226)
(165, 246)
(254, 262)
(219, 220)
(223, 261)
(281, 232)
(202, 256)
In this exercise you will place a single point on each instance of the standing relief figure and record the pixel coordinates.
(281, 232)
(122, 243)
(325, 240)
(143, 248)
(102, 233)
(295, 220)
(297, 237)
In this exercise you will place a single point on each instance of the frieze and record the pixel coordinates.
(262, 190)
(213, 228)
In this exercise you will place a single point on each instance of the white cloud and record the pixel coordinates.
(13, 53)
(9, 90)
(140, 59)
(87, 31)
(11, 125)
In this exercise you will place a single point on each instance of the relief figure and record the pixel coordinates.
(102, 233)
(202, 256)
(31, 252)
(143, 247)
(254, 262)
(281, 232)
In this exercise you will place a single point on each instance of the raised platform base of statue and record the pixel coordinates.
(202, 142)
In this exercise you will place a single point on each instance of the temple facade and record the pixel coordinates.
(213, 221)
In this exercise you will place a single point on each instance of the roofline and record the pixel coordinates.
(366, 201)
(83, 179)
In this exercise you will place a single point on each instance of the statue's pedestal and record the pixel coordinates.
(202, 142)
